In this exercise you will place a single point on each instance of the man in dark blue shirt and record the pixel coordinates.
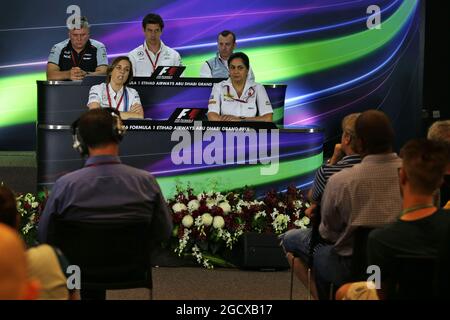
(105, 188)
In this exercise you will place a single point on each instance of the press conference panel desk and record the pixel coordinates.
(61, 102)
(228, 155)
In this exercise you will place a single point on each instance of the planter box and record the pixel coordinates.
(259, 251)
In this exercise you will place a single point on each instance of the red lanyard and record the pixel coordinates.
(251, 92)
(74, 61)
(109, 97)
(151, 61)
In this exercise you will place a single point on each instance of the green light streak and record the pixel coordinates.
(277, 63)
(18, 99)
(272, 64)
(278, 113)
(229, 179)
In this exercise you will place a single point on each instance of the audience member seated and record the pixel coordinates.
(44, 263)
(105, 188)
(368, 194)
(421, 229)
(115, 93)
(239, 98)
(74, 58)
(153, 53)
(344, 156)
(217, 67)
(14, 283)
(440, 131)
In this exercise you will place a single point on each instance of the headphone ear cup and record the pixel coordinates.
(78, 143)
(118, 127)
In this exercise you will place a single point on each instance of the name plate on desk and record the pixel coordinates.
(179, 82)
(150, 125)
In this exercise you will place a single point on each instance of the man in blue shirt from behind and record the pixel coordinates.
(105, 188)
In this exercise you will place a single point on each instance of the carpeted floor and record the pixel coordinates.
(194, 283)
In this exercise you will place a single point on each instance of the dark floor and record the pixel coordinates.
(194, 283)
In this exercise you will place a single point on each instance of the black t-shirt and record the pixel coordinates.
(419, 237)
(92, 56)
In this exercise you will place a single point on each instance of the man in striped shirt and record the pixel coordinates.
(344, 156)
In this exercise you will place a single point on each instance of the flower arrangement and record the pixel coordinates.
(210, 223)
(30, 208)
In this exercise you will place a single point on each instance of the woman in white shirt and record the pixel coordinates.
(115, 93)
(238, 98)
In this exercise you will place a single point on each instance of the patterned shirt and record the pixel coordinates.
(368, 194)
(92, 56)
(327, 170)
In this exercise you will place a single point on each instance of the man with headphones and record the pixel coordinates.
(105, 188)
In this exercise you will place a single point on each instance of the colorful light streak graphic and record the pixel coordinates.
(277, 56)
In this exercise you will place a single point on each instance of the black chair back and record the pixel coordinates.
(422, 276)
(110, 254)
(359, 260)
(414, 277)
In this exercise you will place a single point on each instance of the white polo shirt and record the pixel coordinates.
(144, 65)
(99, 94)
(253, 102)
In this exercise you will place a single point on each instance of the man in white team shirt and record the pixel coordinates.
(153, 53)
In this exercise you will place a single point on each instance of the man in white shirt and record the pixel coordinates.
(217, 67)
(153, 53)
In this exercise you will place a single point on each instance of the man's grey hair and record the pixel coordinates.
(348, 128)
(440, 131)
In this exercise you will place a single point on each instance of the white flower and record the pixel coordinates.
(178, 207)
(260, 214)
(298, 204)
(202, 195)
(207, 219)
(305, 220)
(193, 205)
(225, 206)
(281, 205)
(218, 222)
(187, 221)
(183, 242)
(210, 203)
(220, 197)
(302, 223)
(274, 214)
(280, 222)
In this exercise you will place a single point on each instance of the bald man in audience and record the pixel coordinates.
(14, 283)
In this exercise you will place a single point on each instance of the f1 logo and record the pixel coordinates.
(170, 71)
(183, 113)
(164, 70)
